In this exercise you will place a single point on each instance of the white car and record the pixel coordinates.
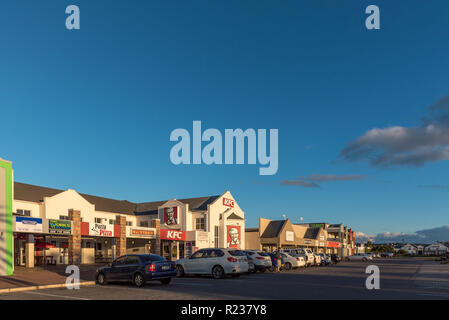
(325, 259)
(290, 261)
(261, 260)
(300, 258)
(308, 255)
(214, 261)
(359, 257)
(316, 259)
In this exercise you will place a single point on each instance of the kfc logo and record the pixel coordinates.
(171, 216)
(234, 237)
(172, 235)
(228, 202)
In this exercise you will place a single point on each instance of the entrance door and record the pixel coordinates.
(181, 250)
(166, 250)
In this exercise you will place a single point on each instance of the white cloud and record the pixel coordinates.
(397, 145)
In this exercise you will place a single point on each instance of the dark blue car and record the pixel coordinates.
(137, 268)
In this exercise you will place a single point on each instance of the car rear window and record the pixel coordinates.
(263, 254)
(236, 253)
(151, 257)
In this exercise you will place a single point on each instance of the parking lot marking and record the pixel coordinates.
(191, 284)
(54, 295)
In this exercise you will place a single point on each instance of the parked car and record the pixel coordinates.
(308, 256)
(251, 265)
(359, 257)
(261, 260)
(335, 258)
(316, 259)
(137, 268)
(387, 254)
(300, 258)
(291, 262)
(325, 259)
(215, 261)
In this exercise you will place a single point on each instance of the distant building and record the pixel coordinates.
(360, 248)
(436, 249)
(319, 237)
(411, 249)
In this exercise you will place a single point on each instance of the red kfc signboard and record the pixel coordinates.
(167, 234)
(171, 216)
(228, 202)
(233, 237)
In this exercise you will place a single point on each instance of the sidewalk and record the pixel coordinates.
(43, 276)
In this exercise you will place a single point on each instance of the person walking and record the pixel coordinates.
(278, 260)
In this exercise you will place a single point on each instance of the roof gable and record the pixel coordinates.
(233, 216)
(273, 229)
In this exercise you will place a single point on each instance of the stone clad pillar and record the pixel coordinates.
(156, 245)
(120, 242)
(75, 238)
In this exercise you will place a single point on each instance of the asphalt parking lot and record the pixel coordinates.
(399, 279)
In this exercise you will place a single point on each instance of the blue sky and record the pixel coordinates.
(93, 109)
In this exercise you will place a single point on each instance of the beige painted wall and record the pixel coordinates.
(252, 241)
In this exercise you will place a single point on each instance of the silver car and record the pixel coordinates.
(261, 260)
(214, 261)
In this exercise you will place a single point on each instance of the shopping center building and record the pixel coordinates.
(52, 226)
(319, 237)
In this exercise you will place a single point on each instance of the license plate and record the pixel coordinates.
(165, 267)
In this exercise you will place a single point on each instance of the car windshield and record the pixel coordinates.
(151, 257)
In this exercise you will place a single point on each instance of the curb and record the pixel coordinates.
(48, 286)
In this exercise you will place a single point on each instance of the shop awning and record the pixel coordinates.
(44, 245)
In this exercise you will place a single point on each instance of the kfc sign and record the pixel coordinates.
(228, 203)
(173, 235)
(233, 237)
(171, 216)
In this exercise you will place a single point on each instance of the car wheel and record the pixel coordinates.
(364, 259)
(218, 272)
(101, 279)
(166, 281)
(180, 271)
(262, 270)
(288, 266)
(139, 280)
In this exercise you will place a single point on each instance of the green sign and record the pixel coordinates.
(59, 226)
(6, 235)
(317, 225)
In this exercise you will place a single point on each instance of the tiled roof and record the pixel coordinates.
(28, 192)
(273, 229)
